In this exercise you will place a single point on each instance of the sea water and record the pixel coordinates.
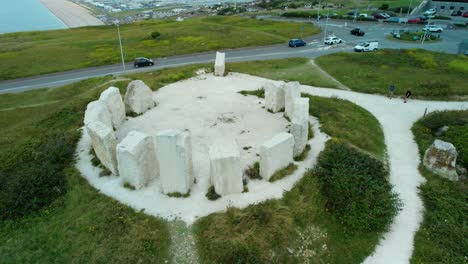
(26, 15)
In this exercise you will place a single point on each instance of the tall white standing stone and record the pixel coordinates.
(300, 124)
(136, 156)
(173, 150)
(274, 96)
(225, 168)
(292, 90)
(97, 111)
(104, 144)
(111, 97)
(139, 97)
(276, 154)
(220, 63)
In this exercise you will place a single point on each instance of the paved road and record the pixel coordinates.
(374, 31)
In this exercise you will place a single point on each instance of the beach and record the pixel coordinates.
(73, 15)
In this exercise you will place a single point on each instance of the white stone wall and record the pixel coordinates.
(104, 144)
(274, 96)
(292, 90)
(136, 156)
(173, 150)
(276, 154)
(225, 168)
(138, 98)
(97, 111)
(112, 99)
(220, 63)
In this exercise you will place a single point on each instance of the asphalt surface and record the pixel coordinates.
(315, 48)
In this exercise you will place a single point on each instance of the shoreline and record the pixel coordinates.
(71, 14)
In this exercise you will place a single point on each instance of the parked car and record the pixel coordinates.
(456, 13)
(357, 32)
(430, 12)
(414, 20)
(332, 40)
(395, 20)
(432, 28)
(296, 43)
(381, 16)
(364, 15)
(423, 18)
(367, 46)
(141, 62)
(465, 14)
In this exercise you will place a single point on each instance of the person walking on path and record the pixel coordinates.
(391, 91)
(407, 95)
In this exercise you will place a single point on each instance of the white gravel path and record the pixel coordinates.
(395, 117)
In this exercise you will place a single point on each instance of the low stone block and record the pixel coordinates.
(112, 99)
(300, 132)
(225, 168)
(136, 156)
(292, 90)
(97, 111)
(173, 150)
(274, 96)
(441, 159)
(138, 98)
(276, 154)
(220, 63)
(104, 144)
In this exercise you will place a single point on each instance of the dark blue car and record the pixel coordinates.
(296, 43)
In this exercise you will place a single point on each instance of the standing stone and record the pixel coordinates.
(104, 144)
(112, 99)
(225, 168)
(291, 90)
(276, 154)
(220, 63)
(136, 156)
(274, 96)
(97, 111)
(173, 150)
(300, 124)
(441, 159)
(138, 98)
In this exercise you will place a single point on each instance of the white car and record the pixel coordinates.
(332, 40)
(430, 12)
(432, 28)
(367, 46)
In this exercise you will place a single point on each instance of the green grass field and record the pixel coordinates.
(34, 53)
(429, 75)
(442, 237)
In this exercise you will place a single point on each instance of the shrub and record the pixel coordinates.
(259, 93)
(281, 173)
(155, 35)
(459, 65)
(212, 195)
(253, 171)
(355, 186)
(384, 6)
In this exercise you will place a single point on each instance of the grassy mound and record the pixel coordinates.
(427, 74)
(442, 237)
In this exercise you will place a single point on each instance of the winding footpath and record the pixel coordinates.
(396, 119)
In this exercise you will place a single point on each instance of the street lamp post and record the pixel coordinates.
(120, 42)
(408, 13)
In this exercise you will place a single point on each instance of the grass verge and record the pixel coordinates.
(430, 75)
(33, 53)
(281, 173)
(442, 237)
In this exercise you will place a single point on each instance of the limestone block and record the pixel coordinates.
(276, 154)
(300, 132)
(138, 98)
(173, 150)
(274, 96)
(97, 111)
(291, 90)
(441, 159)
(111, 97)
(104, 144)
(220, 63)
(136, 156)
(225, 168)
(300, 109)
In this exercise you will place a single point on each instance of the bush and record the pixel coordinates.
(384, 6)
(212, 195)
(38, 182)
(155, 35)
(281, 173)
(253, 171)
(357, 191)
